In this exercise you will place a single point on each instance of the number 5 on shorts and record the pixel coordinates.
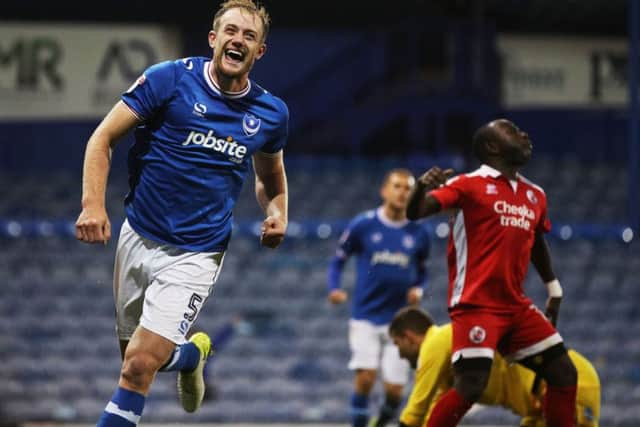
(193, 306)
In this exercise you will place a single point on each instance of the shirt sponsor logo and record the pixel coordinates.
(514, 216)
(390, 258)
(235, 151)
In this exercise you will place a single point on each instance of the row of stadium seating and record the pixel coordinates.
(595, 193)
(287, 360)
(58, 338)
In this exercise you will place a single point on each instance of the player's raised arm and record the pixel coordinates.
(93, 223)
(422, 204)
(272, 195)
(541, 260)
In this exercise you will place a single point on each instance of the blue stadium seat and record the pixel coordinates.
(56, 305)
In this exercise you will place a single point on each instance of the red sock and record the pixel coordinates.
(449, 409)
(560, 406)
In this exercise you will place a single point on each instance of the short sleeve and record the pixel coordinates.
(349, 242)
(544, 225)
(152, 90)
(281, 134)
(450, 195)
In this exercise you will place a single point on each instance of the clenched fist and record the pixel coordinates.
(435, 177)
(93, 225)
(273, 231)
(337, 296)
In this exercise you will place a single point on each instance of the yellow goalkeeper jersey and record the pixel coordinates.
(509, 384)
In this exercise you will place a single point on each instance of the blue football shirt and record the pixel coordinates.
(192, 152)
(390, 259)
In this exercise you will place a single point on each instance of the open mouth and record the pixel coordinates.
(234, 55)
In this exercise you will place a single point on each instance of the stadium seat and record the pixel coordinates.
(289, 363)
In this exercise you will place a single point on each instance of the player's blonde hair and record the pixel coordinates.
(255, 8)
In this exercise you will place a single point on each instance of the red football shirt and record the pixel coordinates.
(492, 233)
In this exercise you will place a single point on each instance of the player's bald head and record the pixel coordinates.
(491, 131)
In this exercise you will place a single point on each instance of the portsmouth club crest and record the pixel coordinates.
(408, 242)
(250, 124)
(376, 237)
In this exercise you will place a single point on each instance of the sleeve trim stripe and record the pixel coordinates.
(133, 111)
(264, 153)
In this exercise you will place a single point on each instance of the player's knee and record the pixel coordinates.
(138, 369)
(365, 380)
(471, 377)
(471, 384)
(394, 394)
(394, 397)
(561, 372)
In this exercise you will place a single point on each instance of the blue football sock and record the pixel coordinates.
(359, 410)
(185, 357)
(124, 409)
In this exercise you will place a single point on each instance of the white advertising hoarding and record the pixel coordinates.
(70, 71)
(563, 71)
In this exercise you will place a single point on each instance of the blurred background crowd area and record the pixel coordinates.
(370, 86)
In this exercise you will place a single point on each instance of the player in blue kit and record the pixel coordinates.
(199, 122)
(391, 273)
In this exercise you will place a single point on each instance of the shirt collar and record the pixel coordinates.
(214, 86)
(486, 170)
(388, 221)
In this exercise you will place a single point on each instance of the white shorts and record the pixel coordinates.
(160, 287)
(372, 348)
